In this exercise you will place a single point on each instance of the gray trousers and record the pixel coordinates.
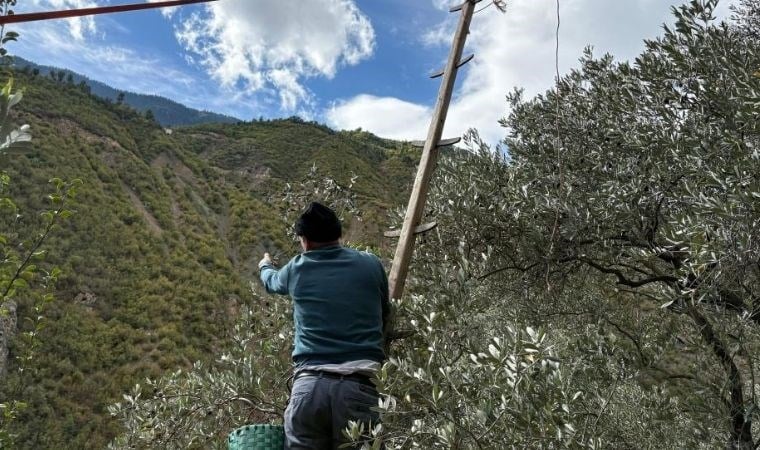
(320, 408)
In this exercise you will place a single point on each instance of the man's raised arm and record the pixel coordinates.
(275, 281)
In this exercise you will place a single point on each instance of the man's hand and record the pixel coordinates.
(265, 261)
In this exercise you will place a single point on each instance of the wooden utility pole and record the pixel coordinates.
(414, 210)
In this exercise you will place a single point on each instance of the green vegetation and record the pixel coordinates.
(598, 288)
(19, 271)
(156, 260)
(620, 235)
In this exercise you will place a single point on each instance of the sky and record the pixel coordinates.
(347, 63)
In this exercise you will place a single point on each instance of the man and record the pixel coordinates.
(340, 300)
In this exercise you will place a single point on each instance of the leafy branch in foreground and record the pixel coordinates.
(19, 267)
(21, 277)
(6, 35)
(199, 406)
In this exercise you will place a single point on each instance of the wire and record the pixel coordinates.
(501, 5)
(48, 15)
(557, 79)
(557, 147)
(558, 137)
(556, 46)
(484, 8)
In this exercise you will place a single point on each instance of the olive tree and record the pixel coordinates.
(625, 219)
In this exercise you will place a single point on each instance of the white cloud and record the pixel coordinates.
(443, 5)
(439, 35)
(167, 12)
(83, 49)
(259, 45)
(385, 116)
(515, 49)
(121, 67)
(78, 27)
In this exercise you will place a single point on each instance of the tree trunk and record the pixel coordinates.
(741, 426)
(7, 331)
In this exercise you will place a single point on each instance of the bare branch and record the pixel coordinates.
(622, 279)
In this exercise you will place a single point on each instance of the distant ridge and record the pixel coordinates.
(165, 111)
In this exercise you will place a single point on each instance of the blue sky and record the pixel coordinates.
(347, 63)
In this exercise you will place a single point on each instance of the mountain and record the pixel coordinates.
(167, 112)
(161, 249)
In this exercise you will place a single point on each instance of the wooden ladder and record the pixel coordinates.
(430, 149)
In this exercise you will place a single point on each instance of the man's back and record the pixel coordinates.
(338, 299)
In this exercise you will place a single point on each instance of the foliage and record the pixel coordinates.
(623, 220)
(11, 137)
(468, 392)
(6, 35)
(158, 257)
(324, 189)
(200, 406)
(654, 189)
(747, 17)
(472, 375)
(597, 288)
(18, 268)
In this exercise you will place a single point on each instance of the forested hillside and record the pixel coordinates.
(156, 258)
(165, 111)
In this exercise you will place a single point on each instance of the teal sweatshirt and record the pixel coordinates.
(340, 299)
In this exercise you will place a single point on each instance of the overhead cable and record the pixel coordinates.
(67, 13)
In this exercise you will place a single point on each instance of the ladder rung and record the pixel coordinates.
(459, 7)
(443, 143)
(459, 64)
(424, 228)
(451, 141)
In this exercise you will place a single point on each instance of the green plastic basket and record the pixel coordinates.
(257, 437)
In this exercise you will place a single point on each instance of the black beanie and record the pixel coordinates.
(318, 223)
